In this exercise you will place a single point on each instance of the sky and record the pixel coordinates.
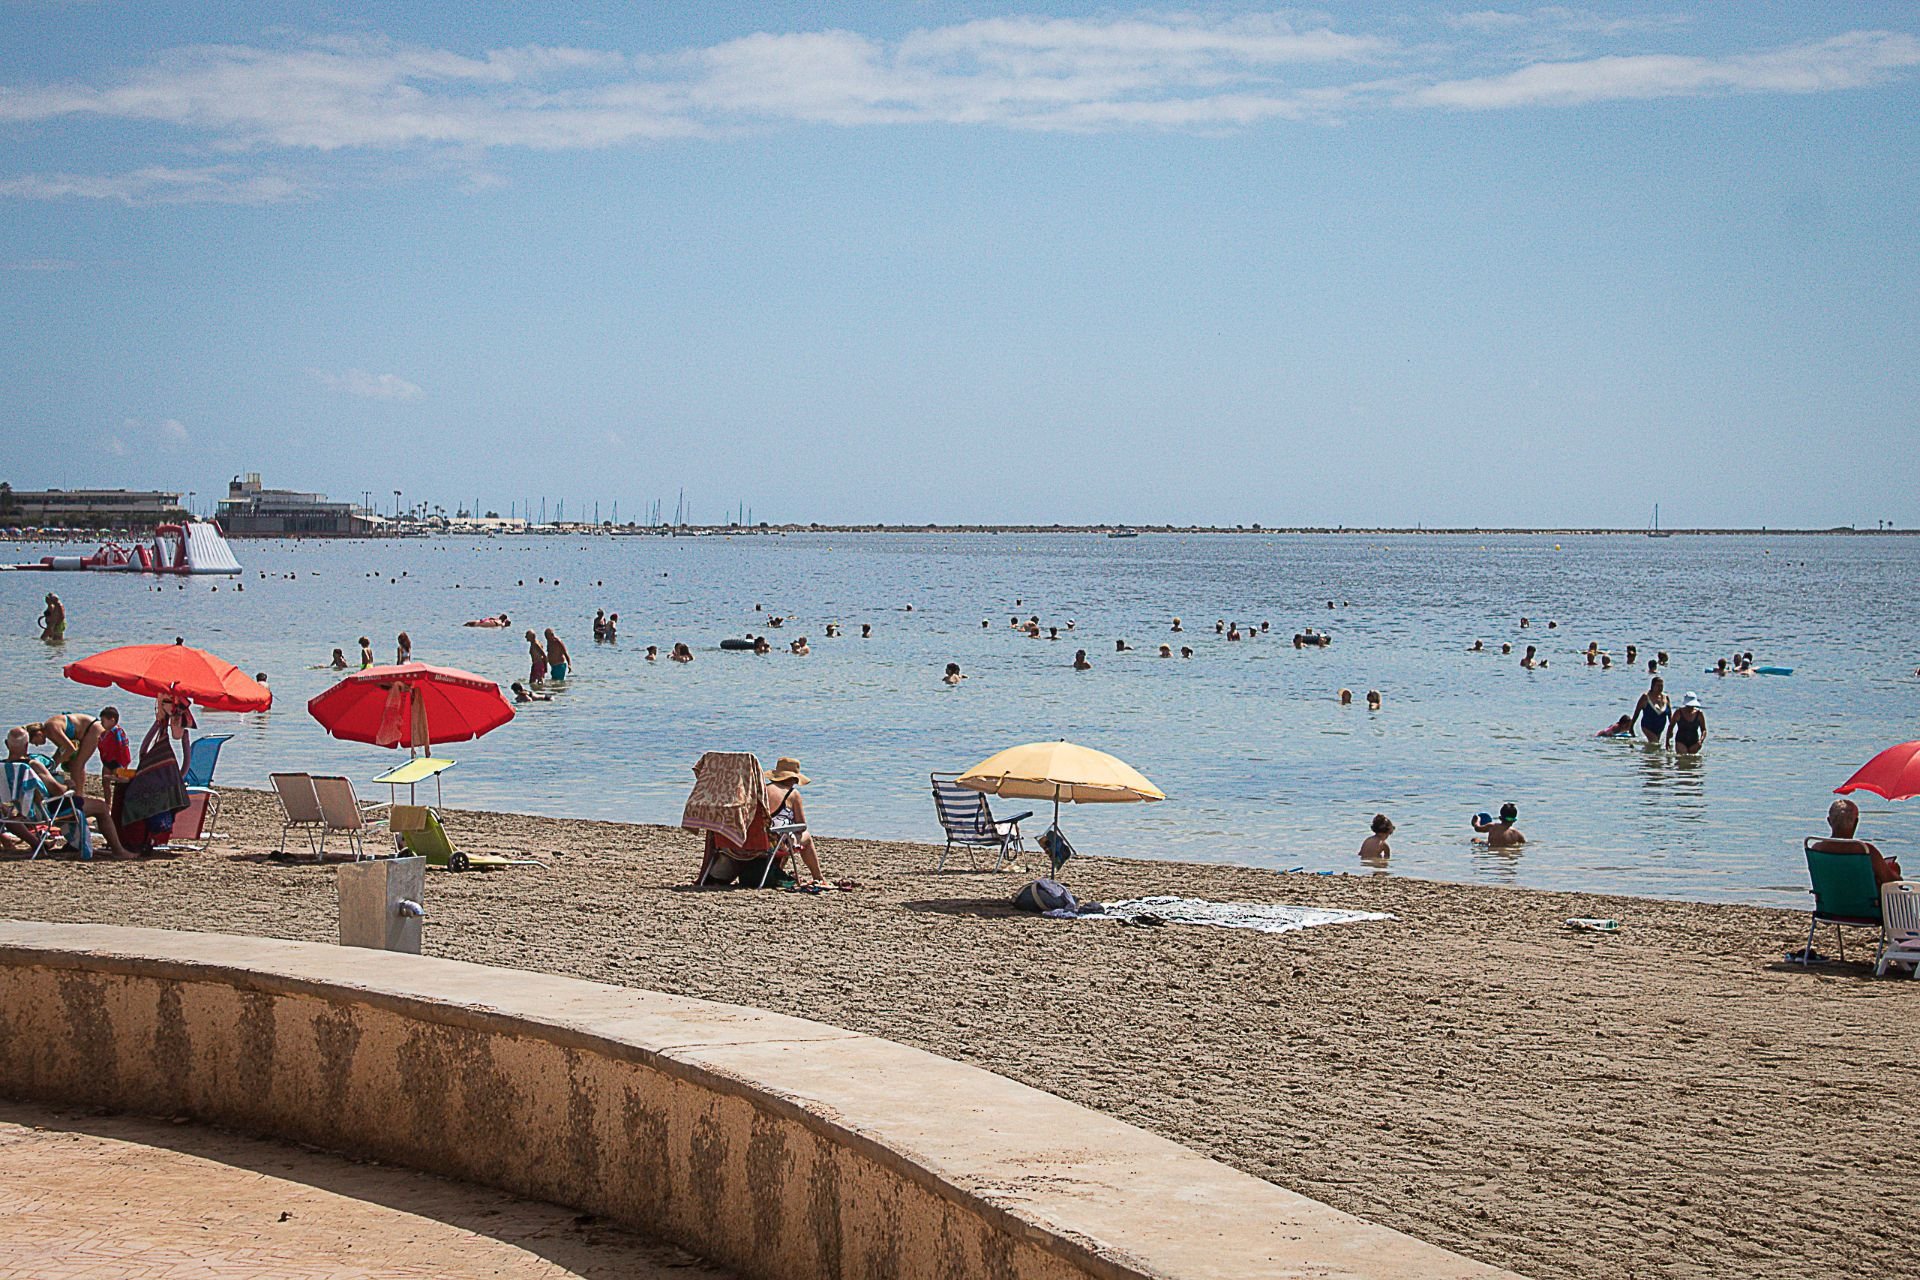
(1378, 264)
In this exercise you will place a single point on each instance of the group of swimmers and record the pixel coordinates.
(1498, 832)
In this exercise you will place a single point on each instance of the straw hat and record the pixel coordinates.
(787, 769)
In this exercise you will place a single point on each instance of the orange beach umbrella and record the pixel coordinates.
(176, 670)
(412, 705)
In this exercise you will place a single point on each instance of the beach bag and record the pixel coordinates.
(1055, 846)
(1045, 895)
(157, 789)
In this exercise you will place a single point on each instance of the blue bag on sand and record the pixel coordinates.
(1055, 846)
(1045, 895)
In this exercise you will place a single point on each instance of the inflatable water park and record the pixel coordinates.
(195, 547)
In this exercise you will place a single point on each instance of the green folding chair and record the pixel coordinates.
(1844, 893)
(417, 831)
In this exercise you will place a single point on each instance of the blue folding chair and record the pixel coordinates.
(201, 757)
(969, 823)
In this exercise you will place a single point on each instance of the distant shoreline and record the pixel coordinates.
(1079, 530)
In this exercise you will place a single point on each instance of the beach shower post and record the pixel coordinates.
(380, 903)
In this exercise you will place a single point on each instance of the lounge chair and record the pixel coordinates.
(417, 832)
(1900, 926)
(343, 813)
(299, 808)
(31, 812)
(970, 824)
(193, 825)
(1844, 893)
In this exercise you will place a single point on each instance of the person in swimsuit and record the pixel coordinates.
(536, 660)
(1501, 834)
(1375, 846)
(953, 675)
(1653, 711)
(1080, 662)
(783, 806)
(523, 694)
(53, 620)
(1688, 728)
(403, 650)
(558, 659)
(653, 653)
(681, 653)
(74, 739)
(339, 662)
(366, 653)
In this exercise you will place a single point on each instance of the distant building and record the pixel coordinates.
(249, 510)
(88, 508)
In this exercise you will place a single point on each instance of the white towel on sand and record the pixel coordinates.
(1266, 917)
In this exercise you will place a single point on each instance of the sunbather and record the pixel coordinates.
(784, 806)
(1843, 819)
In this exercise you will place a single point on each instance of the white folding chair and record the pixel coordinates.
(342, 812)
(299, 808)
(1899, 926)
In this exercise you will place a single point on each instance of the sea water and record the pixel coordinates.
(1260, 763)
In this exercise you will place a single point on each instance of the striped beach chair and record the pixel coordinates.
(970, 824)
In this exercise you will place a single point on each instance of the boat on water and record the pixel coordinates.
(1656, 531)
(1123, 533)
(196, 547)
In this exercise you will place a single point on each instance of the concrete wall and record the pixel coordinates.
(779, 1147)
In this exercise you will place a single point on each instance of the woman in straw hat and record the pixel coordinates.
(783, 806)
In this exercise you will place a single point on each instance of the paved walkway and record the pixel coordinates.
(124, 1198)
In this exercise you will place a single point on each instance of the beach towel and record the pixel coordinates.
(157, 791)
(727, 796)
(1264, 917)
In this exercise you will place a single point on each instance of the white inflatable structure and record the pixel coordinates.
(195, 547)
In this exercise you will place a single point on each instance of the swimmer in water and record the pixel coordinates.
(953, 675)
(366, 652)
(1621, 728)
(800, 647)
(1120, 646)
(1720, 667)
(522, 694)
(339, 662)
(1500, 834)
(1529, 662)
(653, 653)
(1373, 699)
(1375, 845)
(1166, 651)
(1478, 646)
(866, 631)
(1606, 662)
(1653, 711)
(1505, 647)
(760, 645)
(1633, 654)
(1525, 623)
(558, 659)
(1186, 652)
(1176, 625)
(681, 653)
(1233, 632)
(1080, 662)
(1346, 697)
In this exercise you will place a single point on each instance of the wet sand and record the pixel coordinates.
(1672, 1100)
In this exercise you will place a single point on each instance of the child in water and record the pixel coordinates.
(1375, 845)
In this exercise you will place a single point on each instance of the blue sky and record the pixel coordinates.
(1377, 264)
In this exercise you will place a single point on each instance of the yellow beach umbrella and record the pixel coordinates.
(1060, 771)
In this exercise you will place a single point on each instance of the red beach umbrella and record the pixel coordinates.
(1894, 774)
(413, 705)
(176, 670)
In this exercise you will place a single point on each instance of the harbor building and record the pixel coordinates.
(88, 508)
(251, 511)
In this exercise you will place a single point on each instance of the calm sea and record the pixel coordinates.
(1261, 764)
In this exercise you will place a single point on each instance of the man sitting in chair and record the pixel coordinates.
(1843, 819)
(783, 807)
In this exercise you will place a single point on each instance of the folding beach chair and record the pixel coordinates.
(970, 824)
(201, 758)
(30, 811)
(1844, 893)
(343, 813)
(1900, 926)
(299, 807)
(417, 832)
(193, 825)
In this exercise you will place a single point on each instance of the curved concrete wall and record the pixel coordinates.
(776, 1146)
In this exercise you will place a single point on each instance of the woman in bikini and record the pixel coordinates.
(536, 660)
(1652, 711)
(75, 738)
(784, 806)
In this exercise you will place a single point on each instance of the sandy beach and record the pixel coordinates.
(1672, 1100)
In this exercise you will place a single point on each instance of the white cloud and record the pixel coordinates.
(445, 111)
(373, 386)
(1844, 62)
(157, 184)
(135, 434)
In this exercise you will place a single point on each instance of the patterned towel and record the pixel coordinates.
(727, 795)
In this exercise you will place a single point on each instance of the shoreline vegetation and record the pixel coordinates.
(1669, 1100)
